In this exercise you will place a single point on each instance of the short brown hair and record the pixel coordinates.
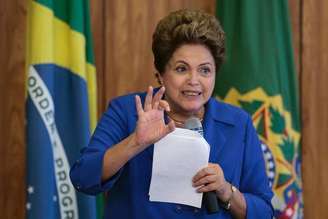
(187, 27)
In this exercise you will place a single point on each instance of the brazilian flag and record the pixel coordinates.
(60, 106)
(259, 76)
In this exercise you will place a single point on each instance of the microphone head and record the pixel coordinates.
(193, 123)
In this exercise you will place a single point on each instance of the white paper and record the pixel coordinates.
(177, 158)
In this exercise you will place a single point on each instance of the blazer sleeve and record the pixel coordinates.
(254, 182)
(87, 170)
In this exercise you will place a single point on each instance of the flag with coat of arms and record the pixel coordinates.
(259, 76)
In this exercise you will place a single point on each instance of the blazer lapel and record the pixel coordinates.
(213, 134)
(216, 127)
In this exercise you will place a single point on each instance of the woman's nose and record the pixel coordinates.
(193, 78)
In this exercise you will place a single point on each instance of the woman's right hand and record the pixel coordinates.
(150, 125)
(149, 129)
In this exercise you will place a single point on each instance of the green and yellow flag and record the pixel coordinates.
(259, 76)
(60, 106)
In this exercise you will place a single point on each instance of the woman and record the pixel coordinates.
(188, 49)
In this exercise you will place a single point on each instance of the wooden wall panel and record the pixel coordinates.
(315, 107)
(122, 37)
(128, 32)
(12, 115)
(97, 9)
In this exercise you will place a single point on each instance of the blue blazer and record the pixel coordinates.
(234, 146)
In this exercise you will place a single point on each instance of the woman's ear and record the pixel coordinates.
(159, 78)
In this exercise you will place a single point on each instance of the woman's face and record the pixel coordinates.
(189, 79)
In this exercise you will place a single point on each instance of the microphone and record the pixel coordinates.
(209, 198)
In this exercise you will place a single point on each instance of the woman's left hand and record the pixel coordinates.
(211, 178)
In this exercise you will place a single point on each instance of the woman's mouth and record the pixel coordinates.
(191, 93)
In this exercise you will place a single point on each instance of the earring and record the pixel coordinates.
(158, 79)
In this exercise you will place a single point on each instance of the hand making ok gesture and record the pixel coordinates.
(151, 126)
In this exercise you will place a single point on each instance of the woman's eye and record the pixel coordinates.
(205, 70)
(181, 69)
